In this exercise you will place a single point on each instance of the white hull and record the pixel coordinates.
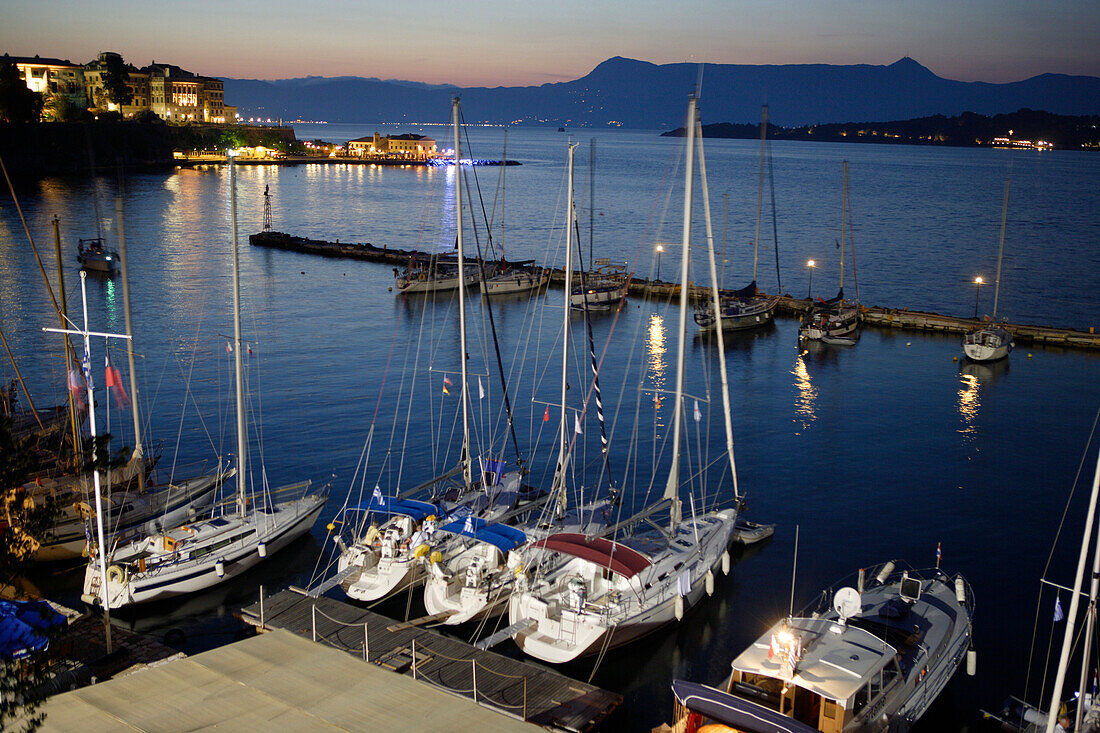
(148, 514)
(988, 344)
(514, 283)
(621, 610)
(432, 284)
(834, 324)
(169, 573)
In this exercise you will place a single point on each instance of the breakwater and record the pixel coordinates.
(879, 317)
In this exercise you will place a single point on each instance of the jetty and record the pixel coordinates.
(510, 688)
(880, 317)
(192, 160)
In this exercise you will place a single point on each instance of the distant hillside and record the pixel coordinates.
(627, 93)
(968, 130)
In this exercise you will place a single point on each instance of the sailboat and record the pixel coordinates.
(94, 256)
(992, 342)
(191, 557)
(378, 561)
(589, 593)
(472, 575)
(834, 321)
(747, 307)
(865, 658)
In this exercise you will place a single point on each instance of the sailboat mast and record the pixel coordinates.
(138, 455)
(843, 221)
(1001, 250)
(63, 316)
(716, 304)
(672, 488)
(238, 369)
(1074, 600)
(467, 474)
(759, 187)
(563, 443)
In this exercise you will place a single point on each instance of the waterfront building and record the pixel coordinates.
(414, 147)
(178, 95)
(51, 76)
(137, 80)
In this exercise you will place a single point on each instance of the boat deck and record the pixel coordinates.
(510, 686)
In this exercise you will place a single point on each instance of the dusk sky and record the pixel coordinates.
(522, 42)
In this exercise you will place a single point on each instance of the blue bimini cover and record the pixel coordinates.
(418, 510)
(501, 536)
(733, 711)
(24, 626)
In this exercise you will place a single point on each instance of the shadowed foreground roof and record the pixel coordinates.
(274, 681)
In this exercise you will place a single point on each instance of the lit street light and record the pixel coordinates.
(810, 290)
(660, 249)
(977, 281)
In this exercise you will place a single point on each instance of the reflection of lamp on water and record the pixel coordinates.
(977, 281)
(660, 249)
(810, 290)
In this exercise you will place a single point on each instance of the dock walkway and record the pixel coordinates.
(891, 318)
(513, 687)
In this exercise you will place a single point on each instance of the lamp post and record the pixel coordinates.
(660, 249)
(810, 290)
(977, 281)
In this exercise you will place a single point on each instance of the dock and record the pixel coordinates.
(513, 688)
(875, 316)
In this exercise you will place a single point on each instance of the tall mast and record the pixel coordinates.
(63, 316)
(1001, 250)
(1074, 600)
(242, 436)
(716, 304)
(672, 488)
(130, 346)
(563, 443)
(759, 187)
(467, 474)
(843, 221)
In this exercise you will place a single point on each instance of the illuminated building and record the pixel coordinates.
(51, 76)
(407, 146)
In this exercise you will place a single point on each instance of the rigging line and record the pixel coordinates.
(1054, 544)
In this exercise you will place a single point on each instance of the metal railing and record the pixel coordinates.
(513, 710)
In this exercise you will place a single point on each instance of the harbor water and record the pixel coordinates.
(884, 450)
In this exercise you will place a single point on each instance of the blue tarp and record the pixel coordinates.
(501, 536)
(24, 625)
(418, 510)
(733, 711)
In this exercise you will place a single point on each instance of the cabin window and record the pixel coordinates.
(828, 709)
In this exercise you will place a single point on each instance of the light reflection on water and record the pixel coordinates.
(969, 402)
(806, 392)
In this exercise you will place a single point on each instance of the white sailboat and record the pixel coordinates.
(191, 557)
(992, 342)
(835, 321)
(588, 594)
(747, 307)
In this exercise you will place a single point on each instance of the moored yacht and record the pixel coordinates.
(873, 661)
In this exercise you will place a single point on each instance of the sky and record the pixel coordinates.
(528, 42)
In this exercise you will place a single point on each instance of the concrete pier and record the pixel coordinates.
(875, 316)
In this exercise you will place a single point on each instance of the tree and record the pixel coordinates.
(17, 102)
(60, 108)
(115, 77)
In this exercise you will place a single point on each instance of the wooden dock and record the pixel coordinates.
(893, 318)
(512, 687)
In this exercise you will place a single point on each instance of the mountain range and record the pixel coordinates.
(629, 93)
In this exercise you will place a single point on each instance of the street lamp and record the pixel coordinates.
(660, 249)
(810, 290)
(977, 281)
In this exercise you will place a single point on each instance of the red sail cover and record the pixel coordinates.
(606, 553)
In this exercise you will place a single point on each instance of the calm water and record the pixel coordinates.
(874, 452)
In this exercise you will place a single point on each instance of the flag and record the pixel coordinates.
(546, 415)
(577, 425)
(698, 413)
(228, 348)
(445, 390)
(378, 496)
(250, 349)
(774, 648)
(480, 390)
(468, 526)
(76, 388)
(939, 554)
(683, 583)
(86, 367)
(114, 382)
(447, 383)
(1058, 613)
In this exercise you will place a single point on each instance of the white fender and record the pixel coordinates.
(726, 563)
(679, 608)
(219, 568)
(710, 583)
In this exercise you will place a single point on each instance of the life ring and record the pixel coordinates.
(115, 574)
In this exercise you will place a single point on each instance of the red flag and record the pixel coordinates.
(77, 388)
(114, 382)
(546, 415)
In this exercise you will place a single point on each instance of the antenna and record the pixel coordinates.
(267, 210)
(794, 567)
(847, 603)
